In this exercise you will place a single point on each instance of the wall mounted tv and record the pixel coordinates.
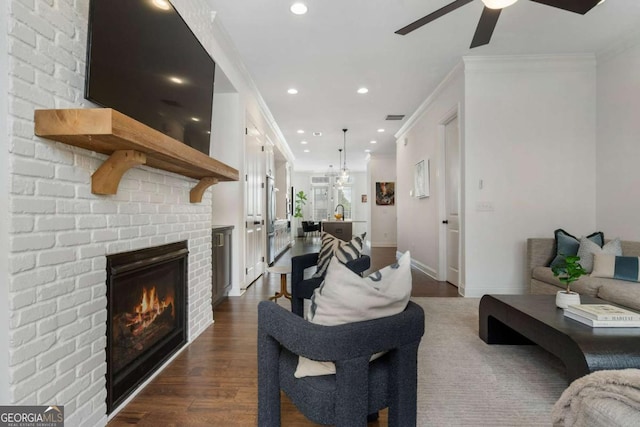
(144, 61)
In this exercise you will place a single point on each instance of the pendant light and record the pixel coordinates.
(339, 181)
(498, 4)
(345, 172)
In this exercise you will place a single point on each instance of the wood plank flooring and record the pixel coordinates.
(214, 381)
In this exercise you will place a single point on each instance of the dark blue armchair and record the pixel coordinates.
(359, 387)
(302, 288)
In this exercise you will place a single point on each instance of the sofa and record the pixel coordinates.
(540, 252)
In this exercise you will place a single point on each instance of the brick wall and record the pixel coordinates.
(59, 233)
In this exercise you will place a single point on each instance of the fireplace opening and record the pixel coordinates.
(146, 315)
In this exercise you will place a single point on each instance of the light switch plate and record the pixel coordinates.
(484, 207)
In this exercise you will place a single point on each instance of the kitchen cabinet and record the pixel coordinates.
(221, 265)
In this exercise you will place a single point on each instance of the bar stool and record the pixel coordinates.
(282, 270)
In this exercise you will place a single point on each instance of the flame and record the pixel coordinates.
(149, 308)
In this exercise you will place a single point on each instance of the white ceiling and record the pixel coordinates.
(341, 45)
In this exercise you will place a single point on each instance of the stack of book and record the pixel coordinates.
(603, 316)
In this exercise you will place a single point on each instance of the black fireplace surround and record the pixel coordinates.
(146, 315)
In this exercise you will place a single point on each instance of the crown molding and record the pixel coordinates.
(626, 42)
(501, 64)
(457, 71)
(251, 92)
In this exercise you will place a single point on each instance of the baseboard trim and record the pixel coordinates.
(421, 267)
(477, 293)
(383, 245)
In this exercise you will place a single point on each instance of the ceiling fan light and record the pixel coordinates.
(498, 4)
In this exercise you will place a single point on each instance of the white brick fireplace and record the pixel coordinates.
(60, 233)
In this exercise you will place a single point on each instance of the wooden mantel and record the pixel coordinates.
(129, 143)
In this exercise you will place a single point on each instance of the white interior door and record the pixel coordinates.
(254, 221)
(452, 200)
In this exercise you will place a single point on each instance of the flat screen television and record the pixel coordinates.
(145, 62)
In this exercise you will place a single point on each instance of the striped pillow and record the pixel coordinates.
(616, 267)
(344, 251)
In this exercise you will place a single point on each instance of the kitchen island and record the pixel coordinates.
(341, 229)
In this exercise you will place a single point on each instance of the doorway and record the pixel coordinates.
(450, 240)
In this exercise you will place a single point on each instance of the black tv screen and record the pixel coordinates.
(144, 61)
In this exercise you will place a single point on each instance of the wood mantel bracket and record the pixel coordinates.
(195, 195)
(106, 179)
(129, 143)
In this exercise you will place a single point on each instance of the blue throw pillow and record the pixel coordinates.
(568, 245)
(616, 267)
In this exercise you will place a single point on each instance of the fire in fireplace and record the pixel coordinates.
(146, 321)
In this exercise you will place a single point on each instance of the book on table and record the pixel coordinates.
(602, 323)
(603, 312)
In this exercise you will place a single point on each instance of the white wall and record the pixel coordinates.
(360, 211)
(384, 219)
(227, 137)
(617, 147)
(419, 220)
(4, 213)
(530, 137)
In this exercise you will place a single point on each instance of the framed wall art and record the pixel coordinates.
(385, 193)
(421, 179)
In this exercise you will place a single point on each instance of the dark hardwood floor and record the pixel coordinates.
(213, 382)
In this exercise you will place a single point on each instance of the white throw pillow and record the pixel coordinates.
(588, 249)
(345, 297)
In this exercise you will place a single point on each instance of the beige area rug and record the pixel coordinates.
(464, 382)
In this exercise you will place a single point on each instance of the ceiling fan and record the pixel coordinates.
(491, 12)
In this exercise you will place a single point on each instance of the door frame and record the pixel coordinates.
(454, 112)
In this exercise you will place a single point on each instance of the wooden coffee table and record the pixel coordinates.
(534, 319)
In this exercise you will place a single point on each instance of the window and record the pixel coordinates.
(326, 196)
(320, 202)
(344, 199)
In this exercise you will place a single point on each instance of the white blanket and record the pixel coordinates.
(603, 398)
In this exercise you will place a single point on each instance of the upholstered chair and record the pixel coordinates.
(359, 387)
(310, 227)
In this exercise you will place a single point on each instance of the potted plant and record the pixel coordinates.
(300, 201)
(567, 273)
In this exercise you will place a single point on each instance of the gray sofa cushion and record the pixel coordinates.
(620, 292)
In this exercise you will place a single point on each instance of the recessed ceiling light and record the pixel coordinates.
(317, 134)
(380, 130)
(195, 119)
(298, 8)
(162, 4)
(177, 80)
(307, 151)
(303, 142)
(367, 151)
(363, 90)
(292, 91)
(300, 131)
(373, 142)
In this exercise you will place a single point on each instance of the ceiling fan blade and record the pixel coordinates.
(577, 6)
(432, 16)
(484, 30)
